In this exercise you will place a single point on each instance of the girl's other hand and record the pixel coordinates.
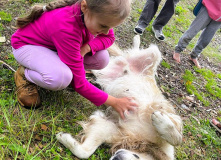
(85, 49)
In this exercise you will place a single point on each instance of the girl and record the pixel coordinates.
(57, 42)
(208, 19)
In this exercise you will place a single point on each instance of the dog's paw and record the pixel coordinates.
(166, 128)
(161, 121)
(67, 140)
(73, 145)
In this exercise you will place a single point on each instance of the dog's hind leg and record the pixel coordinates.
(169, 127)
(97, 131)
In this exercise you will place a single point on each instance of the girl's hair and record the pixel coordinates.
(116, 8)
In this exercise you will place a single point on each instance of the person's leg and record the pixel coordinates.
(165, 14)
(149, 10)
(163, 18)
(199, 23)
(98, 61)
(43, 67)
(205, 38)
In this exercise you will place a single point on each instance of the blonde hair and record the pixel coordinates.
(116, 8)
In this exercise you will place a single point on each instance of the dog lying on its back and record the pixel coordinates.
(147, 134)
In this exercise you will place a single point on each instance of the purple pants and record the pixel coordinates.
(45, 69)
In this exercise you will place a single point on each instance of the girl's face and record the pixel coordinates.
(97, 24)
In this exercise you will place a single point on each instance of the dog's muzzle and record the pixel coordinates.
(123, 154)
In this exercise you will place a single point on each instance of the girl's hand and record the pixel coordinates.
(85, 49)
(121, 105)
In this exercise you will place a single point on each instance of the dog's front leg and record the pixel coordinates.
(73, 145)
(81, 150)
(97, 131)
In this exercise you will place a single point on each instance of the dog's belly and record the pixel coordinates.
(143, 89)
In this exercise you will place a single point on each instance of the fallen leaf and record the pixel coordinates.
(40, 146)
(37, 137)
(44, 127)
(31, 150)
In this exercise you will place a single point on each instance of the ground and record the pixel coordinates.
(170, 80)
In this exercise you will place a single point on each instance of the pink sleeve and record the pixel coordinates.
(102, 41)
(68, 48)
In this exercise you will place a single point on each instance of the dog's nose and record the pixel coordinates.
(116, 158)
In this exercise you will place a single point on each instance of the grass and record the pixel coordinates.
(212, 85)
(201, 138)
(30, 134)
(165, 64)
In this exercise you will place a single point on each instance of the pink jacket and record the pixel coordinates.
(63, 30)
(214, 9)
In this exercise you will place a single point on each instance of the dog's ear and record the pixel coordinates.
(146, 61)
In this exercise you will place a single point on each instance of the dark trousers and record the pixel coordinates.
(150, 9)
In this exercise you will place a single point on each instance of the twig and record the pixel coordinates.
(8, 66)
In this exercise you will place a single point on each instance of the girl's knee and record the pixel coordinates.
(98, 61)
(60, 80)
(103, 62)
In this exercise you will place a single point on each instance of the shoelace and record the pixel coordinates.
(29, 87)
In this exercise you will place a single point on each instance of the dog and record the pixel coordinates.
(148, 133)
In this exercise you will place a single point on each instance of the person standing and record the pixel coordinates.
(207, 19)
(149, 10)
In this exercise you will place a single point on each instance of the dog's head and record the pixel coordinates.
(123, 154)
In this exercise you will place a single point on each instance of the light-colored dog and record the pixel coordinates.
(151, 132)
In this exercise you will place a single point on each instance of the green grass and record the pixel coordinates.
(201, 138)
(5, 16)
(30, 134)
(165, 64)
(212, 86)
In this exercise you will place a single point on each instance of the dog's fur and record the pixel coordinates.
(148, 133)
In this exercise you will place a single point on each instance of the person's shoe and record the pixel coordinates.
(27, 93)
(158, 34)
(139, 30)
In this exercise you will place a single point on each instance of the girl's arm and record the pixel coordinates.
(102, 41)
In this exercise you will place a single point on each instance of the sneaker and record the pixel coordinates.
(158, 34)
(27, 93)
(138, 30)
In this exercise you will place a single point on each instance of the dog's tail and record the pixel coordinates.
(114, 50)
